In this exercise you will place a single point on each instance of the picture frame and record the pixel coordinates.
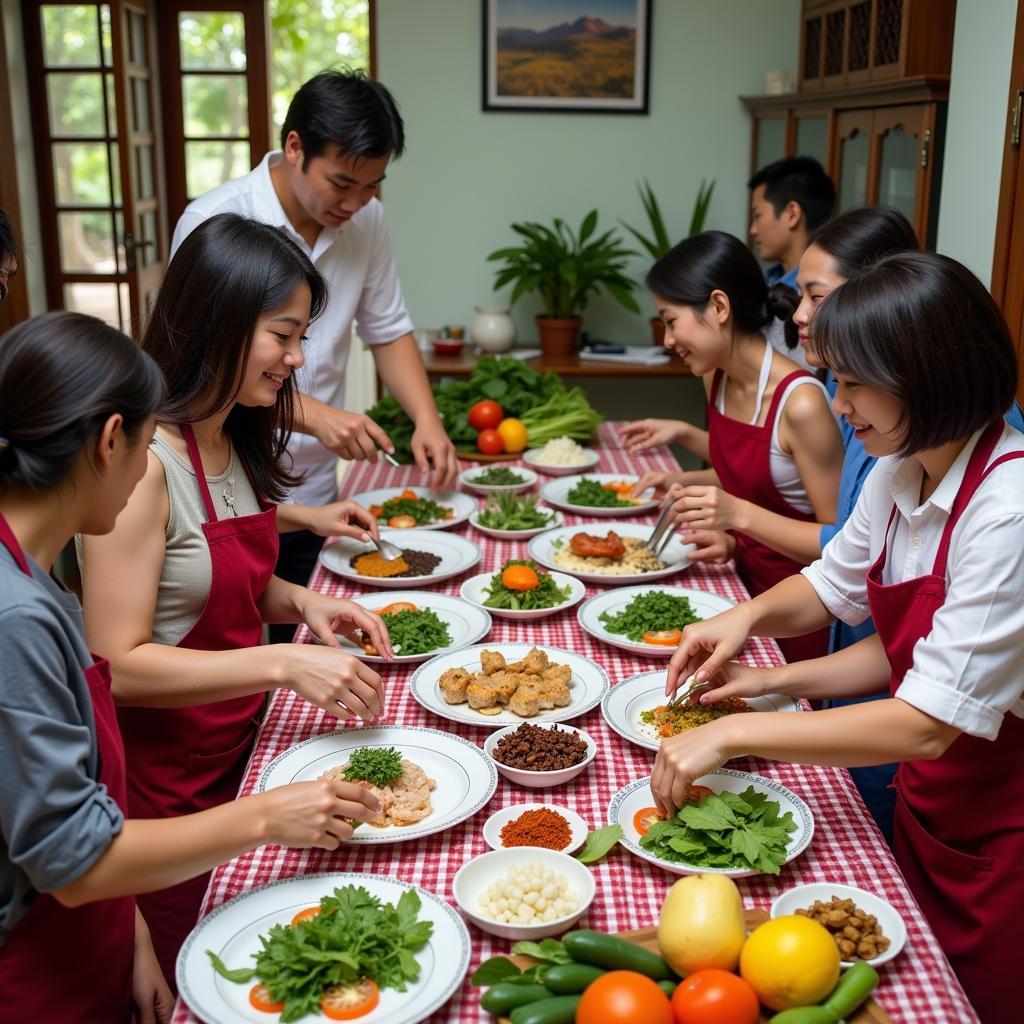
(566, 56)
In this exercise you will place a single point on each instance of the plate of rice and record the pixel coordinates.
(561, 456)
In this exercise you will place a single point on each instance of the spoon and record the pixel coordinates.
(387, 549)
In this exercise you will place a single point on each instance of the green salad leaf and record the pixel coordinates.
(725, 830)
(498, 476)
(599, 842)
(423, 510)
(354, 936)
(379, 765)
(594, 494)
(508, 512)
(417, 632)
(648, 613)
(547, 593)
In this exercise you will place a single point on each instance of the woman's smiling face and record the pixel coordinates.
(816, 277)
(876, 417)
(697, 339)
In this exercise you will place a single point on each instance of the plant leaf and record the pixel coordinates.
(598, 843)
(497, 968)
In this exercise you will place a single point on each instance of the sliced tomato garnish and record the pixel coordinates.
(377, 510)
(409, 495)
(305, 915)
(646, 818)
(697, 793)
(402, 522)
(346, 1002)
(663, 637)
(398, 606)
(260, 999)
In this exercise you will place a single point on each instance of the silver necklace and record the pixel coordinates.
(228, 494)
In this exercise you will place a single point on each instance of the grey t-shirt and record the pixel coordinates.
(56, 820)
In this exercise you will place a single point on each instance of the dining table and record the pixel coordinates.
(847, 847)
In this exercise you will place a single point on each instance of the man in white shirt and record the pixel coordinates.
(341, 132)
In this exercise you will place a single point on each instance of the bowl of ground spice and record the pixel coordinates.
(540, 756)
(543, 825)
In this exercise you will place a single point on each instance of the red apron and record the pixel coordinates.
(741, 456)
(68, 965)
(184, 760)
(959, 821)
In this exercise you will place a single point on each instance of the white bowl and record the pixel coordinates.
(472, 592)
(530, 458)
(889, 918)
(499, 819)
(477, 874)
(467, 475)
(540, 780)
(498, 534)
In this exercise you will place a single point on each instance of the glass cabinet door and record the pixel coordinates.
(853, 155)
(902, 135)
(770, 143)
(812, 137)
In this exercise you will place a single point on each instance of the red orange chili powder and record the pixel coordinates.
(542, 827)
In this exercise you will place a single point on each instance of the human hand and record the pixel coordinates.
(327, 616)
(684, 758)
(151, 995)
(722, 635)
(712, 546)
(641, 435)
(341, 519)
(434, 453)
(660, 480)
(703, 507)
(319, 814)
(350, 435)
(338, 683)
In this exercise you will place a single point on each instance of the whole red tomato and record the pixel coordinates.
(714, 996)
(624, 997)
(489, 442)
(485, 415)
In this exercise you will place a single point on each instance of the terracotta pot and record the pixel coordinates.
(557, 336)
(657, 331)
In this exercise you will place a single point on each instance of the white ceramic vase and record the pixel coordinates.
(493, 330)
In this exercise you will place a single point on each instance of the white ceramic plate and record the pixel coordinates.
(556, 520)
(530, 458)
(460, 504)
(232, 931)
(457, 555)
(589, 683)
(465, 777)
(467, 479)
(499, 819)
(626, 701)
(637, 795)
(556, 492)
(472, 590)
(889, 918)
(543, 548)
(612, 602)
(467, 623)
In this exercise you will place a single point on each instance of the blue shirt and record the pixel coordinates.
(777, 275)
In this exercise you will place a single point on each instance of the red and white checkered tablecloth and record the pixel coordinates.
(918, 986)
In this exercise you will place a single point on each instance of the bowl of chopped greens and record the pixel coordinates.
(505, 516)
(597, 494)
(647, 620)
(734, 824)
(420, 625)
(497, 479)
(522, 590)
(416, 507)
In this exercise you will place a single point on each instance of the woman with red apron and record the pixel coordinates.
(933, 552)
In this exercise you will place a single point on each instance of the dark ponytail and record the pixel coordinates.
(861, 236)
(62, 376)
(716, 261)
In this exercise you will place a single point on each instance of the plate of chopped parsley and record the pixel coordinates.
(746, 825)
(397, 941)
(647, 620)
(498, 479)
(420, 625)
(522, 590)
(507, 516)
(597, 494)
(416, 507)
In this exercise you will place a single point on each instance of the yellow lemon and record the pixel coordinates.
(513, 433)
(790, 961)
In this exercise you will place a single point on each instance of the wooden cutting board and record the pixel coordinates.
(869, 1013)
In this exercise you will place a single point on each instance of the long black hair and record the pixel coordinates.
(227, 273)
(716, 261)
(62, 376)
(857, 238)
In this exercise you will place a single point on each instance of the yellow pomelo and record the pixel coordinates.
(790, 961)
(702, 924)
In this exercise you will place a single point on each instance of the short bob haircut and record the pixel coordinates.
(716, 261)
(801, 180)
(62, 376)
(862, 236)
(228, 273)
(924, 330)
(348, 110)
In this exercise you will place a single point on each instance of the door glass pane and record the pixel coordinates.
(147, 233)
(211, 40)
(812, 138)
(86, 243)
(208, 164)
(108, 48)
(81, 174)
(897, 182)
(124, 304)
(771, 140)
(108, 81)
(70, 35)
(115, 174)
(75, 102)
(215, 105)
(144, 172)
(853, 171)
(140, 105)
(99, 300)
(122, 263)
(136, 38)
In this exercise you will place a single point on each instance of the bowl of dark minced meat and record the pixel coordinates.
(540, 755)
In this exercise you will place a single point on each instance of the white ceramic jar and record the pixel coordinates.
(493, 330)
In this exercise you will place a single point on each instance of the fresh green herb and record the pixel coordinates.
(549, 951)
(498, 476)
(507, 512)
(416, 632)
(599, 842)
(725, 830)
(423, 510)
(547, 593)
(379, 765)
(648, 613)
(594, 494)
(354, 936)
(493, 970)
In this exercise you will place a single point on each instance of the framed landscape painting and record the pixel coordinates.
(563, 56)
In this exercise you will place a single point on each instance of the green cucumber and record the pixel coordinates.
(603, 950)
(557, 1010)
(856, 984)
(805, 1015)
(668, 987)
(570, 979)
(505, 996)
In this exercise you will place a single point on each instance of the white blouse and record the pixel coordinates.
(969, 670)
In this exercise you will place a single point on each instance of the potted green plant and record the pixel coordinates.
(566, 268)
(658, 242)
